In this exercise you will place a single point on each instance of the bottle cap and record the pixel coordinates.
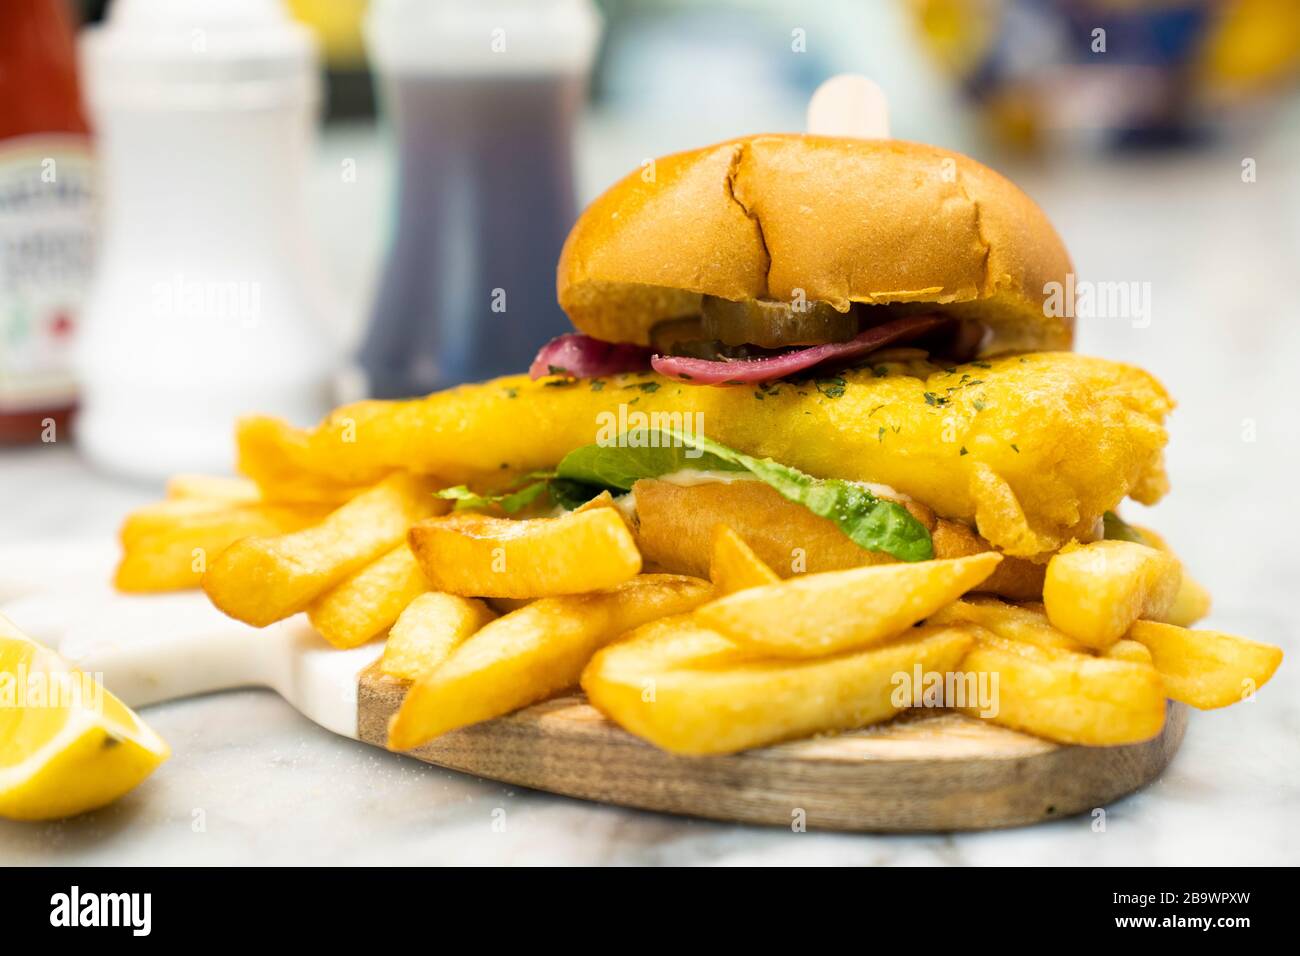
(199, 54)
(483, 37)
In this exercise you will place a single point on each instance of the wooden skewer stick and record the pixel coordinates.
(849, 105)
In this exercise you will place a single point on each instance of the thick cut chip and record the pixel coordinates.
(532, 653)
(262, 580)
(1067, 697)
(1012, 621)
(364, 605)
(1127, 650)
(169, 545)
(836, 611)
(1094, 592)
(480, 556)
(213, 488)
(172, 514)
(691, 706)
(1190, 605)
(734, 566)
(602, 500)
(1207, 669)
(1193, 600)
(669, 642)
(432, 626)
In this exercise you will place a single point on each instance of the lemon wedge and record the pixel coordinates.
(66, 744)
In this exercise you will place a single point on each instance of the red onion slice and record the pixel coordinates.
(748, 371)
(584, 357)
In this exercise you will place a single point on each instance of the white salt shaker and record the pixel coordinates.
(208, 303)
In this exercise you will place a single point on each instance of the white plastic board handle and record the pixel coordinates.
(152, 648)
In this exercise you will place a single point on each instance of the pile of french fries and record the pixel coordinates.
(483, 615)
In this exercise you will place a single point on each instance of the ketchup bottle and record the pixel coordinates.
(46, 217)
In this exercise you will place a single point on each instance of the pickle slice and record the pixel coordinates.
(669, 336)
(772, 325)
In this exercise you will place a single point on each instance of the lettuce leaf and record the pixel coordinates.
(1117, 529)
(870, 522)
(565, 492)
(570, 494)
(619, 466)
(510, 502)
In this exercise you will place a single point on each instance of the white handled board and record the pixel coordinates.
(156, 647)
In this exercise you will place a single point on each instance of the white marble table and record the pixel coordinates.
(1221, 257)
(253, 781)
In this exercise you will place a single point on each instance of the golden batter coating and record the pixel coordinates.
(1030, 449)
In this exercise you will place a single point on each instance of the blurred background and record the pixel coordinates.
(210, 207)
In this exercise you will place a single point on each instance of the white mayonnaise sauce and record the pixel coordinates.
(626, 505)
(687, 477)
(699, 476)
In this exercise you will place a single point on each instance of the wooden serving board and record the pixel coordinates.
(923, 771)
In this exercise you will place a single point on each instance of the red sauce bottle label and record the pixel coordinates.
(46, 245)
(46, 216)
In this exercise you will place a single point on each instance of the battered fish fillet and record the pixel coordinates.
(1030, 450)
